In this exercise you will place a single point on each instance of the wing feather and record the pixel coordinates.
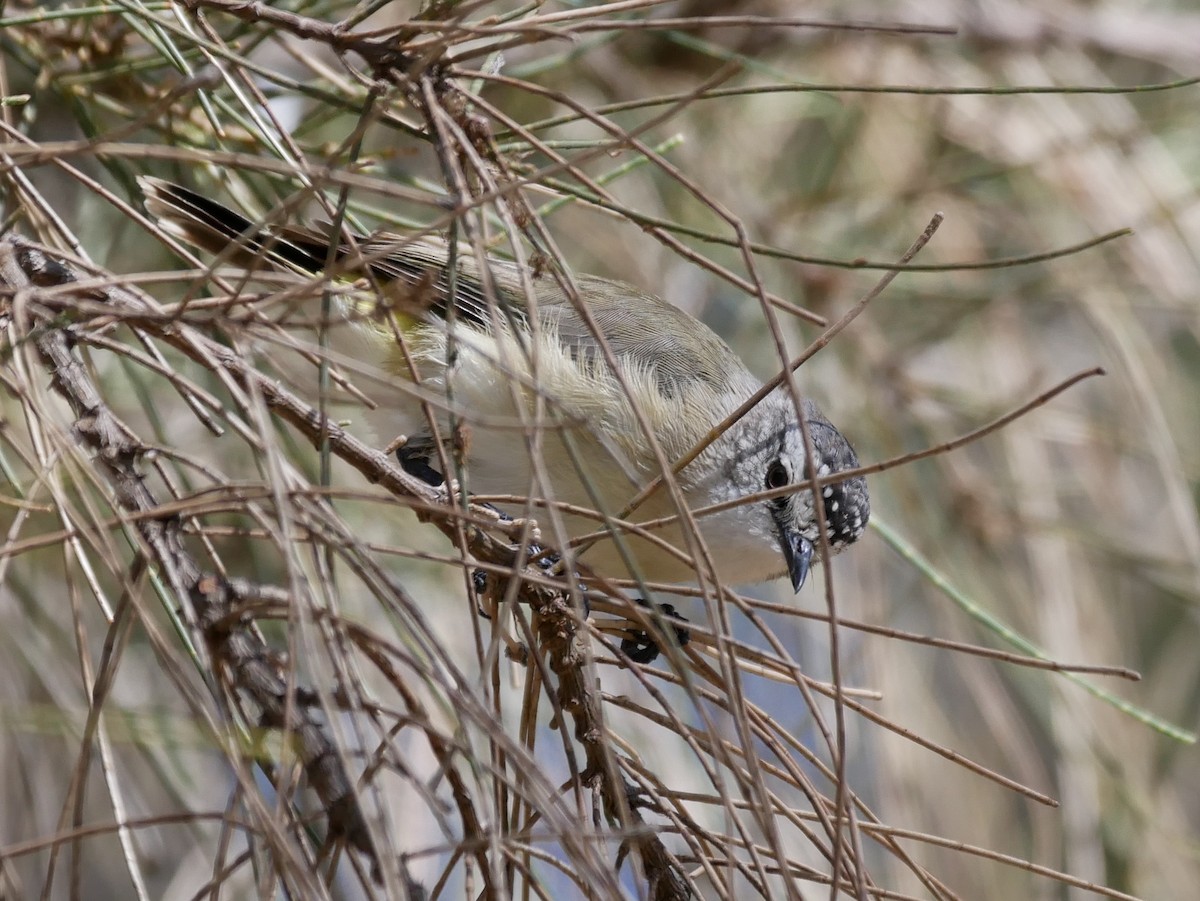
(645, 333)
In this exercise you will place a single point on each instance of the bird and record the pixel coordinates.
(510, 358)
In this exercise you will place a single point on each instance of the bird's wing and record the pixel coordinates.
(645, 333)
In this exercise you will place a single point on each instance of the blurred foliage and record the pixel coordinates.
(1033, 128)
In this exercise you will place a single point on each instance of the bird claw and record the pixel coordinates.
(640, 647)
(415, 462)
(546, 562)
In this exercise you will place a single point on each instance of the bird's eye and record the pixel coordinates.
(777, 475)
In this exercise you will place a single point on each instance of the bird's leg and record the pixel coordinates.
(639, 646)
(414, 459)
(547, 562)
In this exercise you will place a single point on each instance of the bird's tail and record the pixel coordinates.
(410, 275)
(217, 229)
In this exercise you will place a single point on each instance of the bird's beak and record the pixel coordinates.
(797, 552)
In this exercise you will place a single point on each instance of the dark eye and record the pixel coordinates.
(777, 475)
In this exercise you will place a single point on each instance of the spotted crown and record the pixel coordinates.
(847, 504)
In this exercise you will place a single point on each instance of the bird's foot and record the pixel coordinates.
(640, 647)
(415, 461)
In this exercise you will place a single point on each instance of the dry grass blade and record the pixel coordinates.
(249, 653)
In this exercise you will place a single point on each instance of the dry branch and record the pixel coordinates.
(251, 668)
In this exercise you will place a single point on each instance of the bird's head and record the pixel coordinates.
(765, 451)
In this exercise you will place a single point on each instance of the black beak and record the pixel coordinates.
(797, 552)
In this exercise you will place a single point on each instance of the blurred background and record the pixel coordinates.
(1035, 128)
